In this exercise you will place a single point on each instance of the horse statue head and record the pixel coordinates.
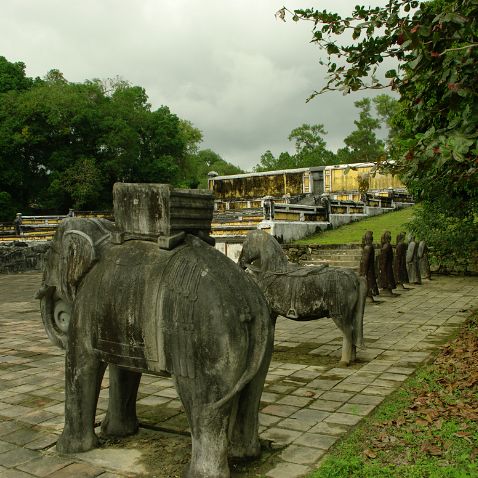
(262, 253)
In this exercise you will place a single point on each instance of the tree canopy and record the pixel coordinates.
(310, 150)
(362, 144)
(64, 144)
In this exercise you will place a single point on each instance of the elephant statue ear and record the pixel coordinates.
(78, 256)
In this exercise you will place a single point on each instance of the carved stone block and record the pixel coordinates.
(160, 212)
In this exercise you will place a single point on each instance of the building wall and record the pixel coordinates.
(251, 187)
(346, 179)
(336, 179)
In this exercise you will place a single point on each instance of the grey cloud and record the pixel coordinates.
(230, 67)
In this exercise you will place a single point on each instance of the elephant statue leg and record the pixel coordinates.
(83, 376)
(209, 431)
(346, 327)
(121, 417)
(244, 439)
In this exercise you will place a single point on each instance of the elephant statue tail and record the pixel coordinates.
(359, 312)
(261, 335)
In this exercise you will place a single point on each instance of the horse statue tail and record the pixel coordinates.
(358, 313)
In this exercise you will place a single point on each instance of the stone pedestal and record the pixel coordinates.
(159, 212)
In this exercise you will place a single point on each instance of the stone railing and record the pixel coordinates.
(42, 228)
(21, 257)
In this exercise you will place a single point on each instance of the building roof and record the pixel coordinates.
(292, 171)
(270, 173)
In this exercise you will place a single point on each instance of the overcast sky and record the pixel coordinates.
(228, 66)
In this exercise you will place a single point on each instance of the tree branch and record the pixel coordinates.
(471, 45)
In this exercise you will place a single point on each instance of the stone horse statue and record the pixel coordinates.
(307, 293)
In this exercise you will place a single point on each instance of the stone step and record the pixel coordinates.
(336, 254)
(336, 263)
(348, 257)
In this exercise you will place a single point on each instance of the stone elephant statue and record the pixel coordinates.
(307, 293)
(189, 312)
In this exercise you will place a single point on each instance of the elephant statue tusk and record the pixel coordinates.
(41, 292)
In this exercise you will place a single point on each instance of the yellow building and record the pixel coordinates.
(339, 181)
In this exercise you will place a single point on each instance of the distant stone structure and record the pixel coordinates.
(339, 181)
(22, 257)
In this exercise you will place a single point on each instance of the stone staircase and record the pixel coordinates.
(336, 255)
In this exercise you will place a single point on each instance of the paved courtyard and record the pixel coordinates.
(309, 402)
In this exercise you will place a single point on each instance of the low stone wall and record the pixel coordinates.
(22, 257)
(286, 231)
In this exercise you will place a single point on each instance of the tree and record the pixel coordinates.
(12, 76)
(83, 182)
(192, 137)
(310, 150)
(64, 144)
(269, 162)
(386, 108)
(362, 144)
(434, 45)
(310, 146)
(206, 161)
(12, 81)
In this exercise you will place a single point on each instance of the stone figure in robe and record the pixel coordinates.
(367, 265)
(400, 261)
(413, 267)
(387, 279)
(424, 265)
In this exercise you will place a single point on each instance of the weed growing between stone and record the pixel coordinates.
(427, 429)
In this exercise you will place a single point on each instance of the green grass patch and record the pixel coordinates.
(427, 429)
(394, 222)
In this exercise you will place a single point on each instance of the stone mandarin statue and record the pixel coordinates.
(413, 266)
(367, 265)
(424, 265)
(387, 279)
(400, 261)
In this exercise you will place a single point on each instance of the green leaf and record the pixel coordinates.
(414, 63)
(332, 49)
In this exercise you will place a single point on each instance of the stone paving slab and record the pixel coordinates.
(309, 402)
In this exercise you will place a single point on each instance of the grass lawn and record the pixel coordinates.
(352, 233)
(427, 429)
